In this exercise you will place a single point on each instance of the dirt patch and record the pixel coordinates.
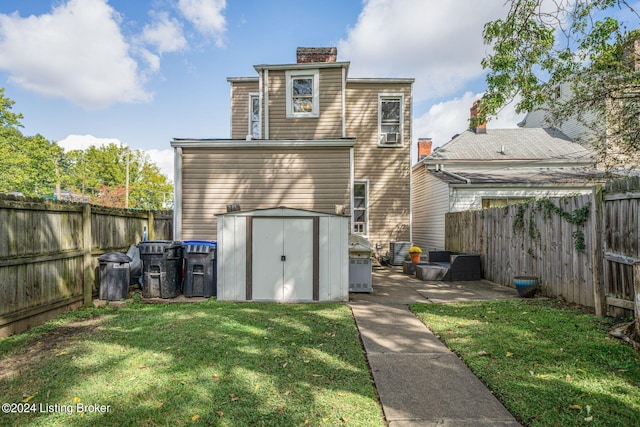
(52, 342)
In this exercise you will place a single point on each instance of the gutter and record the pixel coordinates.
(455, 175)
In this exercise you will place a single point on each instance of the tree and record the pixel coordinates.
(7, 118)
(28, 165)
(586, 44)
(101, 174)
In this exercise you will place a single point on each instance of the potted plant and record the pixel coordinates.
(414, 252)
(526, 285)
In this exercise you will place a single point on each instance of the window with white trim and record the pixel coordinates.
(390, 120)
(360, 207)
(302, 93)
(254, 116)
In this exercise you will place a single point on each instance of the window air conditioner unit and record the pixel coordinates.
(390, 138)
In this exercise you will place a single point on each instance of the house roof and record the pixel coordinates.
(527, 176)
(511, 145)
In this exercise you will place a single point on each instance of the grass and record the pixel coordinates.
(213, 363)
(550, 365)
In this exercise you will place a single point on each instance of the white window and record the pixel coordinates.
(360, 220)
(302, 93)
(254, 116)
(390, 120)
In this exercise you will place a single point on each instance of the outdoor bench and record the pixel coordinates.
(449, 265)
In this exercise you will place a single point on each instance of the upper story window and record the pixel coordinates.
(302, 93)
(390, 120)
(254, 116)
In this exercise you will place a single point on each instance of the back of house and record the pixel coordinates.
(306, 136)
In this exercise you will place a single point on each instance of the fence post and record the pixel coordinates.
(599, 297)
(151, 226)
(87, 264)
(636, 287)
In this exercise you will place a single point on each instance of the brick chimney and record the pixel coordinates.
(478, 127)
(316, 54)
(424, 147)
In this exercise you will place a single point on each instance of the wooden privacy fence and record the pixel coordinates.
(49, 251)
(581, 248)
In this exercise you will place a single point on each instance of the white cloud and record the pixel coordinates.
(164, 160)
(446, 119)
(75, 52)
(164, 33)
(206, 16)
(82, 142)
(439, 43)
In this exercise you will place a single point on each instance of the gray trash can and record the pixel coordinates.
(200, 272)
(114, 276)
(161, 268)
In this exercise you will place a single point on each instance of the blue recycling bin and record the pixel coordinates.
(200, 268)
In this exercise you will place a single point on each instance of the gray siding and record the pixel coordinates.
(327, 125)
(240, 107)
(386, 168)
(304, 178)
(430, 204)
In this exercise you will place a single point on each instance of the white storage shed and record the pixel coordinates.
(284, 255)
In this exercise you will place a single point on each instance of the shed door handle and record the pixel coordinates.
(283, 258)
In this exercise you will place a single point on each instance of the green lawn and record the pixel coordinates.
(210, 363)
(550, 365)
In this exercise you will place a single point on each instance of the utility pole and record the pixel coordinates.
(126, 199)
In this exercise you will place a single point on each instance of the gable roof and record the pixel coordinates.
(512, 144)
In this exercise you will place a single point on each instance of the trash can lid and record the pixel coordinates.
(200, 243)
(114, 257)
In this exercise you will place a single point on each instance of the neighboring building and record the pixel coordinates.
(575, 129)
(305, 136)
(483, 168)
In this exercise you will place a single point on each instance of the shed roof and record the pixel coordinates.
(511, 144)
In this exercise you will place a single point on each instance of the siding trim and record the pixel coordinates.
(266, 104)
(344, 102)
(263, 143)
(177, 193)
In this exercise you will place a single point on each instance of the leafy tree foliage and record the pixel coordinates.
(8, 118)
(101, 174)
(28, 165)
(583, 44)
(36, 167)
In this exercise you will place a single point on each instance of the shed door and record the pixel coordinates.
(282, 267)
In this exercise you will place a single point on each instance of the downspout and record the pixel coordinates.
(266, 104)
(177, 193)
(456, 176)
(410, 168)
(351, 182)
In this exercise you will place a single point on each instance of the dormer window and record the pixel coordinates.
(390, 120)
(302, 93)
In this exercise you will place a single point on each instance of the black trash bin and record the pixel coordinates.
(114, 276)
(200, 271)
(161, 268)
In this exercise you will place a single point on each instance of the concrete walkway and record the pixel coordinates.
(420, 381)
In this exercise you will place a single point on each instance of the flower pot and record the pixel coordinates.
(415, 257)
(526, 285)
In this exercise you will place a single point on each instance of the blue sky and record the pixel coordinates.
(143, 72)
